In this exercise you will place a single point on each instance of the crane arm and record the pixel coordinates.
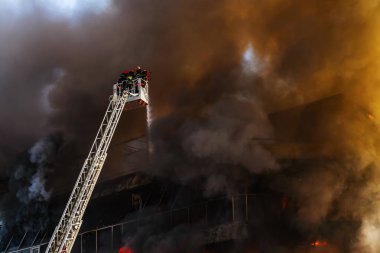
(68, 227)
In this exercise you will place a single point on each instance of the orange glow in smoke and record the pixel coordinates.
(371, 117)
(125, 250)
(318, 243)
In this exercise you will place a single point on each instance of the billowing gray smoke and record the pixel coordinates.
(217, 146)
(28, 190)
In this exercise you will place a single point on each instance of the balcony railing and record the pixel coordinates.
(222, 219)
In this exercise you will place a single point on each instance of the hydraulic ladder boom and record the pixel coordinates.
(68, 227)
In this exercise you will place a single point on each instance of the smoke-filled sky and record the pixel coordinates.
(58, 60)
(218, 68)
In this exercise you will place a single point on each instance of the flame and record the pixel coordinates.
(125, 249)
(318, 243)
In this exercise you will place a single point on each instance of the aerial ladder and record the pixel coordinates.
(125, 97)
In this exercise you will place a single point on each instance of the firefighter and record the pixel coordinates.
(138, 72)
(143, 73)
(130, 75)
(122, 78)
(129, 81)
(146, 75)
(121, 83)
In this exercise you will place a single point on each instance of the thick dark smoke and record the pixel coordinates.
(149, 237)
(217, 145)
(218, 68)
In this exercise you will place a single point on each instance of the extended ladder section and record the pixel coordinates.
(68, 227)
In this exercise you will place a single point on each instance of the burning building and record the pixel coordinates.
(223, 171)
(268, 213)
